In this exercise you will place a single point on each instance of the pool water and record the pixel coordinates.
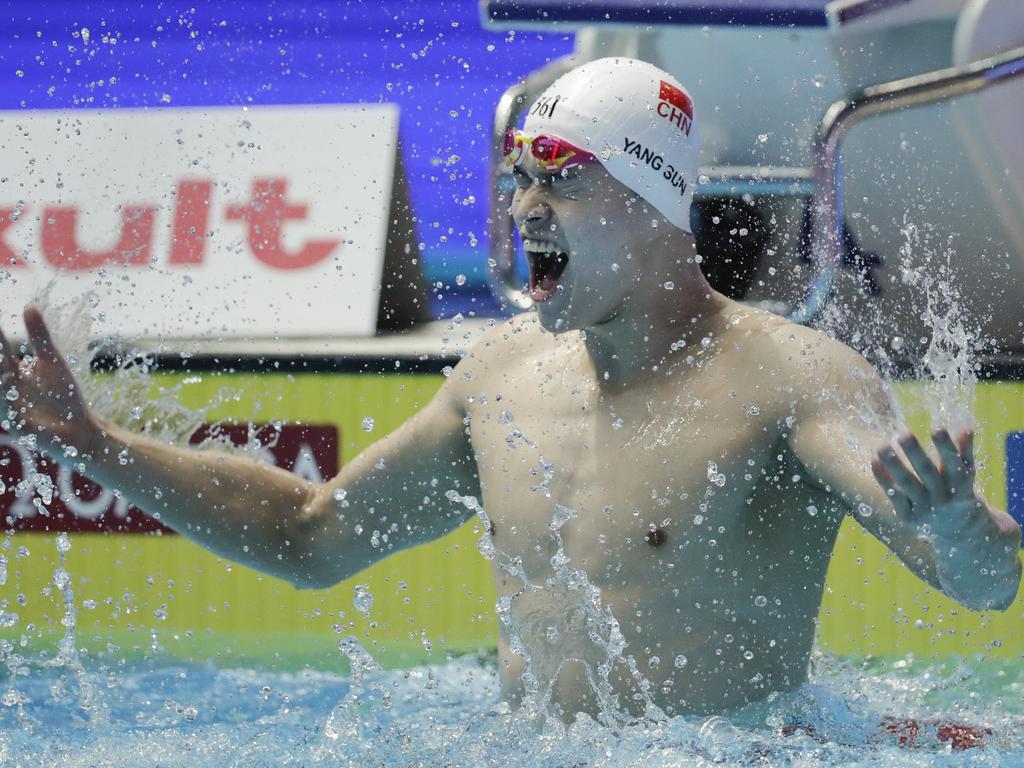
(176, 714)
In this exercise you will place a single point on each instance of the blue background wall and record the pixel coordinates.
(434, 59)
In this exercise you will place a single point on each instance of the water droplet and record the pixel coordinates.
(363, 600)
(63, 543)
(680, 661)
(617, 424)
(61, 579)
(820, 81)
(812, 510)
(561, 517)
(748, 655)
(615, 266)
(654, 662)
(669, 285)
(505, 418)
(12, 394)
(368, 424)
(760, 601)
(460, 279)
(85, 35)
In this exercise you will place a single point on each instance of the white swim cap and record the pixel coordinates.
(637, 119)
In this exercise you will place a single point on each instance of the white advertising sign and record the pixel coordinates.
(226, 222)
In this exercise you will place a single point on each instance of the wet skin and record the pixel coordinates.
(733, 588)
(609, 390)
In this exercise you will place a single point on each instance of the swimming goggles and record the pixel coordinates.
(552, 154)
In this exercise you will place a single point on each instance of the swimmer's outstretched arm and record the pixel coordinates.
(931, 516)
(251, 512)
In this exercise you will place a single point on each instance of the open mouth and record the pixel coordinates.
(546, 267)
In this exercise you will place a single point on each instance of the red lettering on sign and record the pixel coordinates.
(191, 221)
(40, 496)
(60, 242)
(8, 258)
(265, 216)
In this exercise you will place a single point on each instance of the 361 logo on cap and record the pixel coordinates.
(675, 106)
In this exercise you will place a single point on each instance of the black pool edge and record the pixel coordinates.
(1007, 367)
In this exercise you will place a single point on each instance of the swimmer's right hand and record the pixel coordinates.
(41, 401)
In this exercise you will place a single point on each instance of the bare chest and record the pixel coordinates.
(619, 485)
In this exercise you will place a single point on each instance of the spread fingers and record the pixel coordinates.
(8, 362)
(39, 335)
(899, 499)
(903, 479)
(955, 470)
(923, 466)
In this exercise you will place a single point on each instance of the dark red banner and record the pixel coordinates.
(38, 495)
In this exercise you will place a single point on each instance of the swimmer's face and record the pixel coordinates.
(585, 235)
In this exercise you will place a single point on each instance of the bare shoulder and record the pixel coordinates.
(504, 345)
(819, 367)
(817, 355)
(795, 359)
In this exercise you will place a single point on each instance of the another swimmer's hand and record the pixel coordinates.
(940, 499)
(39, 397)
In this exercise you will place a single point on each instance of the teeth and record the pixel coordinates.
(537, 246)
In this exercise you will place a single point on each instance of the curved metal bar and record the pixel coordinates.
(826, 173)
(501, 241)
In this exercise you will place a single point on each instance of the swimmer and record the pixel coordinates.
(708, 450)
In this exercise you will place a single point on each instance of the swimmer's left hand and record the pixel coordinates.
(940, 498)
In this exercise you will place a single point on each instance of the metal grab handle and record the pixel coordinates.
(500, 228)
(826, 173)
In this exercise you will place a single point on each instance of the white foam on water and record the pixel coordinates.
(450, 715)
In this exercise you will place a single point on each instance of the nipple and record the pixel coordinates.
(656, 537)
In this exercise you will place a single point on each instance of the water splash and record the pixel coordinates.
(89, 698)
(582, 629)
(451, 715)
(124, 394)
(949, 362)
